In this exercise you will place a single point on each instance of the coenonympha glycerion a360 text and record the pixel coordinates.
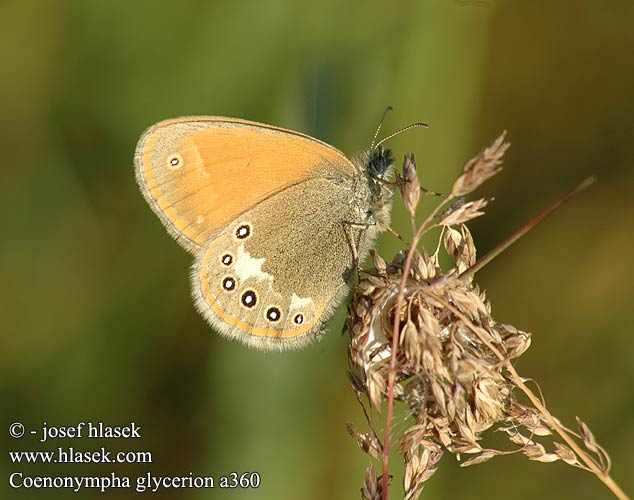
(277, 221)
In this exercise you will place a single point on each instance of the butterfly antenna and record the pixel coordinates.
(404, 129)
(378, 129)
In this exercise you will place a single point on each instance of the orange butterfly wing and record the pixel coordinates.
(200, 173)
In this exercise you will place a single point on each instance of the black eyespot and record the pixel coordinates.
(174, 161)
(243, 231)
(273, 314)
(228, 283)
(249, 299)
(227, 259)
(298, 319)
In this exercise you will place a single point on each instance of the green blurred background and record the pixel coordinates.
(97, 318)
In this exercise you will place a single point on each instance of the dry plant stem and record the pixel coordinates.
(395, 338)
(489, 256)
(537, 402)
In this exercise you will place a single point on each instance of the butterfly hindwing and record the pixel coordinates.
(272, 276)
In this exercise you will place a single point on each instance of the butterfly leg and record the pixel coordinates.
(354, 232)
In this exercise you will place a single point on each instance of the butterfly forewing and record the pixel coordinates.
(200, 173)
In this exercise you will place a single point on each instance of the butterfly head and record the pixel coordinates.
(380, 161)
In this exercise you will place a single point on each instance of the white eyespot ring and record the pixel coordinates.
(227, 259)
(243, 231)
(273, 314)
(229, 284)
(249, 299)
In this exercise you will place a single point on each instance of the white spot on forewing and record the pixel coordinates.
(298, 302)
(250, 267)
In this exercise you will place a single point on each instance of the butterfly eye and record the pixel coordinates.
(273, 314)
(249, 299)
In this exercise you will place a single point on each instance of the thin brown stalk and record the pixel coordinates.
(395, 338)
(492, 254)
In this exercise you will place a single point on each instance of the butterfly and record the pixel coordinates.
(277, 221)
